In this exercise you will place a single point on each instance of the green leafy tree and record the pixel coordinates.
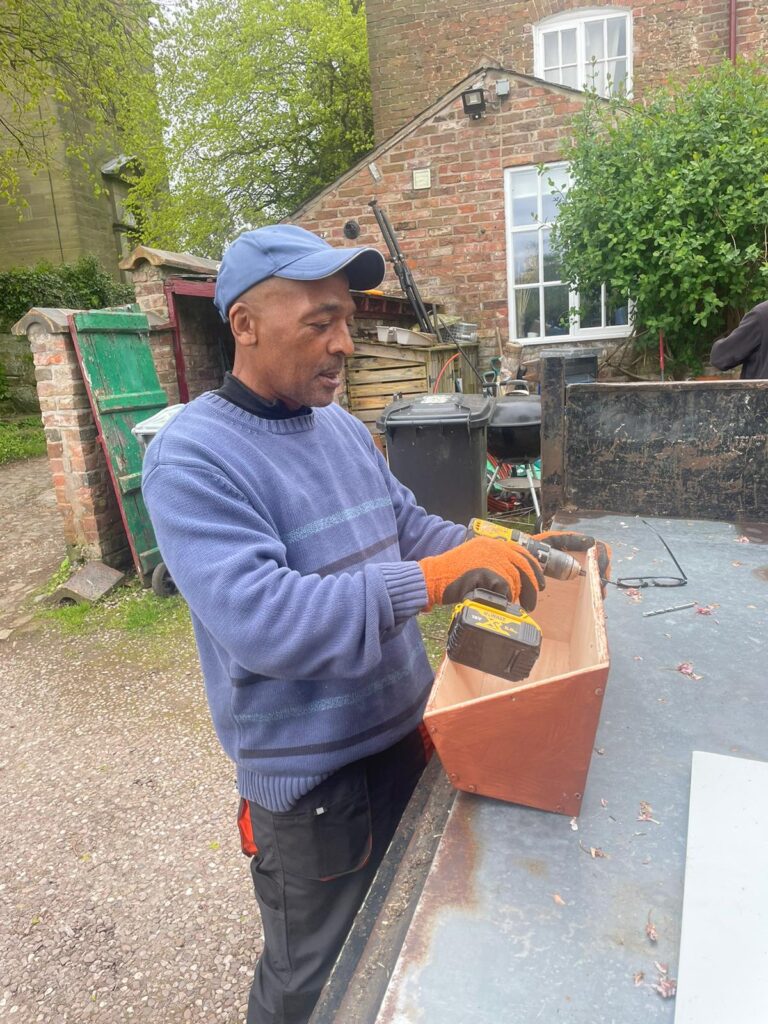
(265, 102)
(669, 204)
(83, 66)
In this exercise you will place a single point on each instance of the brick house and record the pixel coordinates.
(463, 193)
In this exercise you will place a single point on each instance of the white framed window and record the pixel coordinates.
(586, 49)
(540, 303)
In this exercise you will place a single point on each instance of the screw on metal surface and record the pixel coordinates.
(472, 787)
(598, 691)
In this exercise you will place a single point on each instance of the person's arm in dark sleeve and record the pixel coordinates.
(740, 343)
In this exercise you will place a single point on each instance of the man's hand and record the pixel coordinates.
(497, 565)
(566, 541)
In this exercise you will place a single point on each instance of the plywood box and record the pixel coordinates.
(530, 742)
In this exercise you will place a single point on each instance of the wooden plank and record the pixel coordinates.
(410, 387)
(395, 353)
(360, 404)
(122, 402)
(367, 376)
(724, 941)
(375, 363)
(115, 357)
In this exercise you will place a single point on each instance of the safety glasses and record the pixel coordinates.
(639, 582)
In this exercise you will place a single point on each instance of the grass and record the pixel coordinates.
(21, 437)
(131, 610)
(434, 632)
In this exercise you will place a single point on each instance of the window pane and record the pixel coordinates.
(525, 197)
(617, 37)
(571, 77)
(526, 249)
(548, 207)
(525, 183)
(617, 310)
(617, 70)
(593, 33)
(551, 55)
(552, 75)
(595, 78)
(551, 261)
(556, 307)
(524, 210)
(527, 309)
(591, 314)
(568, 39)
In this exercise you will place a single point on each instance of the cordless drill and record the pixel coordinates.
(558, 565)
(491, 634)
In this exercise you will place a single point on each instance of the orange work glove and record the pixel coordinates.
(563, 540)
(497, 565)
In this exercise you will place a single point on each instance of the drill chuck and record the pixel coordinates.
(558, 565)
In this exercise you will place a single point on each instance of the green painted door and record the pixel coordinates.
(123, 389)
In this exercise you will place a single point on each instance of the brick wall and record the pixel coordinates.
(420, 48)
(84, 492)
(453, 234)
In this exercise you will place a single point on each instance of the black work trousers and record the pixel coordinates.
(313, 869)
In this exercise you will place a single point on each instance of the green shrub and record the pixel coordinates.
(80, 285)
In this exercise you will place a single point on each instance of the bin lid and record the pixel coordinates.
(149, 427)
(435, 410)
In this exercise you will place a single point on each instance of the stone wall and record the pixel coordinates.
(17, 374)
(420, 48)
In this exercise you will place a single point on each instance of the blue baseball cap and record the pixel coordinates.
(285, 250)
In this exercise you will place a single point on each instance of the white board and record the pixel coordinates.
(723, 969)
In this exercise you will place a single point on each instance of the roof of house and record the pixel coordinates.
(474, 79)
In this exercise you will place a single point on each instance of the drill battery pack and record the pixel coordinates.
(489, 633)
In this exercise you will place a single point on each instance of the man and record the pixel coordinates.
(304, 563)
(747, 344)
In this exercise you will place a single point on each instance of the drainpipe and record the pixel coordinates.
(732, 31)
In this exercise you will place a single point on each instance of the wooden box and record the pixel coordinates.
(530, 742)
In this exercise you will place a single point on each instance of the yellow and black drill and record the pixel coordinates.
(558, 565)
(491, 634)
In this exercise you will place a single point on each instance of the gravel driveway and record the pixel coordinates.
(123, 892)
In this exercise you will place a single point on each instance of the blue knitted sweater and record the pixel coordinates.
(296, 550)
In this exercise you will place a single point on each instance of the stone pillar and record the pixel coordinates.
(84, 493)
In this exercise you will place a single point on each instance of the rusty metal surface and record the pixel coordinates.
(518, 921)
(679, 449)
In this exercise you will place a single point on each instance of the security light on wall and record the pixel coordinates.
(474, 103)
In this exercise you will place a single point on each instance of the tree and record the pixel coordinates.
(83, 65)
(265, 102)
(669, 203)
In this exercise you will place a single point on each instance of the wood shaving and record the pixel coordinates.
(633, 594)
(559, 899)
(667, 987)
(638, 977)
(574, 825)
(686, 668)
(650, 931)
(594, 851)
(742, 540)
(661, 968)
(603, 802)
(646, 812)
